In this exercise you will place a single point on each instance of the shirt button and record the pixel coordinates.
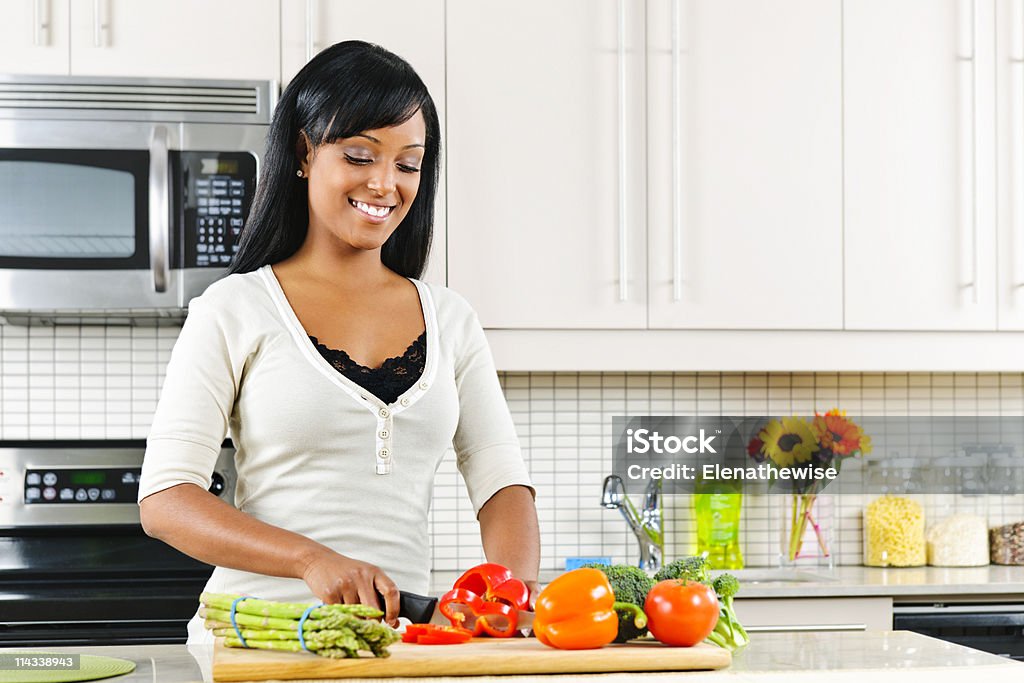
(424, 385)
(385, 453)
(384, 412)
(384, 433)
(404, 401)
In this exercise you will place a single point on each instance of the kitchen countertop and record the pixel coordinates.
(885, 656)
(906, 583)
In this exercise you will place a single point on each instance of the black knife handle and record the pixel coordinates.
(418, 609)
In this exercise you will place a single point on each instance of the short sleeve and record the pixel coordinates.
(196, 401)
(486, 446)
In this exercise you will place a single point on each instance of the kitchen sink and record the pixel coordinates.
(770, 575)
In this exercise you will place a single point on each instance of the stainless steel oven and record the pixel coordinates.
(123, 197)
(992, 627)
(75, 566)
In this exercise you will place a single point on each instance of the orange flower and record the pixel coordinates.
(838, 434)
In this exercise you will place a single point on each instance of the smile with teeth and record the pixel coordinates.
(370, 209)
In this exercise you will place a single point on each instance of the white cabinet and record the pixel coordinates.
(920, 247)
(1010, 171)
(34, 37)
(546, 156)
(745, 164)
(412, 29)
(238, 39)
(729, 136)
(760, 615)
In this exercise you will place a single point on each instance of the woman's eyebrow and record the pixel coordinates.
(373, 139)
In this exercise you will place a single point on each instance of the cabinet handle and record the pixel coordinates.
(159, 208)
(972, 58)
(41, 23)
(99, 24)
(677, 212)
(310, 9)
(783, 628)
(623, 263)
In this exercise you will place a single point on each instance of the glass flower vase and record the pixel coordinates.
(806, 541)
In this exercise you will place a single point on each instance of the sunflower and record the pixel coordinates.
(788, 441)
(841, 436)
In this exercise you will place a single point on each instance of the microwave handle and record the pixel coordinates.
(159, 208)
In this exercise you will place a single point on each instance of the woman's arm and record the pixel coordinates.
(203, 526)
(511, 535)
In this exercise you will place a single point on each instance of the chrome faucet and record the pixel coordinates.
(645, 523)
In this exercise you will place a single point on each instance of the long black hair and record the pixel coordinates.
(348, 88)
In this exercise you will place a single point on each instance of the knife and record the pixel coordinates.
(420, 609)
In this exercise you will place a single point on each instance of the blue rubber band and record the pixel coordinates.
(234, 624)
(302, 623)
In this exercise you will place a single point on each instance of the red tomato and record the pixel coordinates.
(434, 634)
(681, 612)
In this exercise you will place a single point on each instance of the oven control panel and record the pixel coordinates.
(82, 486)
(218, 189)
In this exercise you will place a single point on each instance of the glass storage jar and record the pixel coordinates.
(1006, 544)
(959, 540)
(894, 532)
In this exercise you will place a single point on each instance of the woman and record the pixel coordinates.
(341, 377)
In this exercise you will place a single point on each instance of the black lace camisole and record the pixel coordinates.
(392, 379)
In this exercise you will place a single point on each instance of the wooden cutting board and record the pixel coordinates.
(479, 657)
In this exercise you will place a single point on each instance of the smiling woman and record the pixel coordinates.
(303, 355)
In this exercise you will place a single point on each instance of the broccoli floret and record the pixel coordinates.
(729, 632)
(630, 585)
(693, 568)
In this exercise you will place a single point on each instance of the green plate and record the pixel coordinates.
(91, 669)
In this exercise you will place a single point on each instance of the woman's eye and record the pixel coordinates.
(358, 160)
(408, 169)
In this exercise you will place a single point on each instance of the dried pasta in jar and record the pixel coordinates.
(894, 533)
(960, 540)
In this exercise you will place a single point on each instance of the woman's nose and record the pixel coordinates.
(382, 182)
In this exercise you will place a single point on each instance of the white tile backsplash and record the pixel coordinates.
(98, 382)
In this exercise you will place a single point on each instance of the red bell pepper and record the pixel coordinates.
(487, 600)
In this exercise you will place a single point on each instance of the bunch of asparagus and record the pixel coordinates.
(336, 631)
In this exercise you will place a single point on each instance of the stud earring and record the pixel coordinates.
(299, 173)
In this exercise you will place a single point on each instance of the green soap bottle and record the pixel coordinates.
(717, 507)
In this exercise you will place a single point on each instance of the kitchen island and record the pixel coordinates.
(772, 657)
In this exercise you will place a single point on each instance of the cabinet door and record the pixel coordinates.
(919, 164)
(34, 37)
(1010, 137)
(546, 224)
(176, 38)
(417, 35)
(745, 164)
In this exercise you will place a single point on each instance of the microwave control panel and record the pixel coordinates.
(218, 189)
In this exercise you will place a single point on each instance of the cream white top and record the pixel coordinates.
(316, 453)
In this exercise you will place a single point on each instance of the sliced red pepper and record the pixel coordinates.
(487, 600)
(435, 634)
(468, 610)
(494, 583)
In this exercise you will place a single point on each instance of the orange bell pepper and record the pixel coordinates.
(577, 611)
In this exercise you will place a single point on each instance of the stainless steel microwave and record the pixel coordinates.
(122, 199)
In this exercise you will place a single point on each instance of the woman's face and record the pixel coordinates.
(361, 187)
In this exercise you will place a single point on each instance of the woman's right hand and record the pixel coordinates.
(335, 578)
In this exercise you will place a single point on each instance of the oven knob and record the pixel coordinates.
(49, 478)
(49, 493)
(216, 484)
